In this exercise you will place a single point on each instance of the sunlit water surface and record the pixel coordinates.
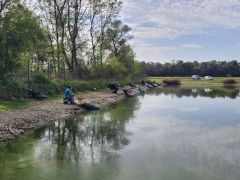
(165, 134)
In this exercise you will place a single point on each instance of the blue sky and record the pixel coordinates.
(188, 30)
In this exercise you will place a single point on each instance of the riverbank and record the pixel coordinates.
(17, 121)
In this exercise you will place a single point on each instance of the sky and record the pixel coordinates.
(187, 30)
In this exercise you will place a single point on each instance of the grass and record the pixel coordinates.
(14, 104)
(24, 102)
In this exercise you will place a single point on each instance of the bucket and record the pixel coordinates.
(81, 100)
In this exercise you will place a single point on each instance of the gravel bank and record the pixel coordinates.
(15, 122)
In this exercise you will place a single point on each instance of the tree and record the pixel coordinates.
(100, 14)
(20, 35)
(233, 68)
(82, 35)
(196, 67)
(117, 35)
(158, 69)
(179, 68)
(188, 69)
(6, 4)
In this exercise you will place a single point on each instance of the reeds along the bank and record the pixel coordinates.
(171, 81)
(229, 81)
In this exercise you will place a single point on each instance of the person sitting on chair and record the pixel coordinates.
(69, 94)
(114, 88)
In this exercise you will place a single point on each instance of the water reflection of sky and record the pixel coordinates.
(210, 112)
(190, 133)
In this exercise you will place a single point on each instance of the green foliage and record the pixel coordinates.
(117, 36)
(171, 81)
(40, 79)
(20, 34)
(10, 89)
(229, 81)
(125, 68)
(39, 82)
(183, 69)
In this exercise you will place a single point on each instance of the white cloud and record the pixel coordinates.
(181, 17)
(149, 52)
(194, 46)
(145, 32)
(148, 1)
(190, 109)
(176, 27)
(237, 111)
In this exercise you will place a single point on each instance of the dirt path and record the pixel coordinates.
(17, 121)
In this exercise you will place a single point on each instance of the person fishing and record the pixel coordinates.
(114, 87)
(69, 94)
(142, 83)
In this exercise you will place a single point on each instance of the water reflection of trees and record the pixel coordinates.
(216, 92)
(90, 137)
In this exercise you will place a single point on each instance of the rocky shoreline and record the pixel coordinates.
(18, 121)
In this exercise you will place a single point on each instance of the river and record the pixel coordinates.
(166, 133)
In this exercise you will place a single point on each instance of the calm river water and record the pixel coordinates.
(169, 133)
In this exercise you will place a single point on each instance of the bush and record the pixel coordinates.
(40, 79)
(171, 81)
(40, 83)
(229, 81)
(10, 89)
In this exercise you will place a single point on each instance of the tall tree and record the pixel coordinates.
(179, 68)
(20, 35)
(100, 15)
(188, 69)
(117, 36)
(76, 22)
(233, 68)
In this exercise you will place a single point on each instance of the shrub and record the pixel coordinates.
(229, 81)
(11, 89)
(171, 81)
(40, 82)
(40, 79)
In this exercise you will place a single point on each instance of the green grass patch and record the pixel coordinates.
(14, 104)
(3, 107)
(25, 102)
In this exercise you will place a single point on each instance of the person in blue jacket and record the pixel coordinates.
(69, 94)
